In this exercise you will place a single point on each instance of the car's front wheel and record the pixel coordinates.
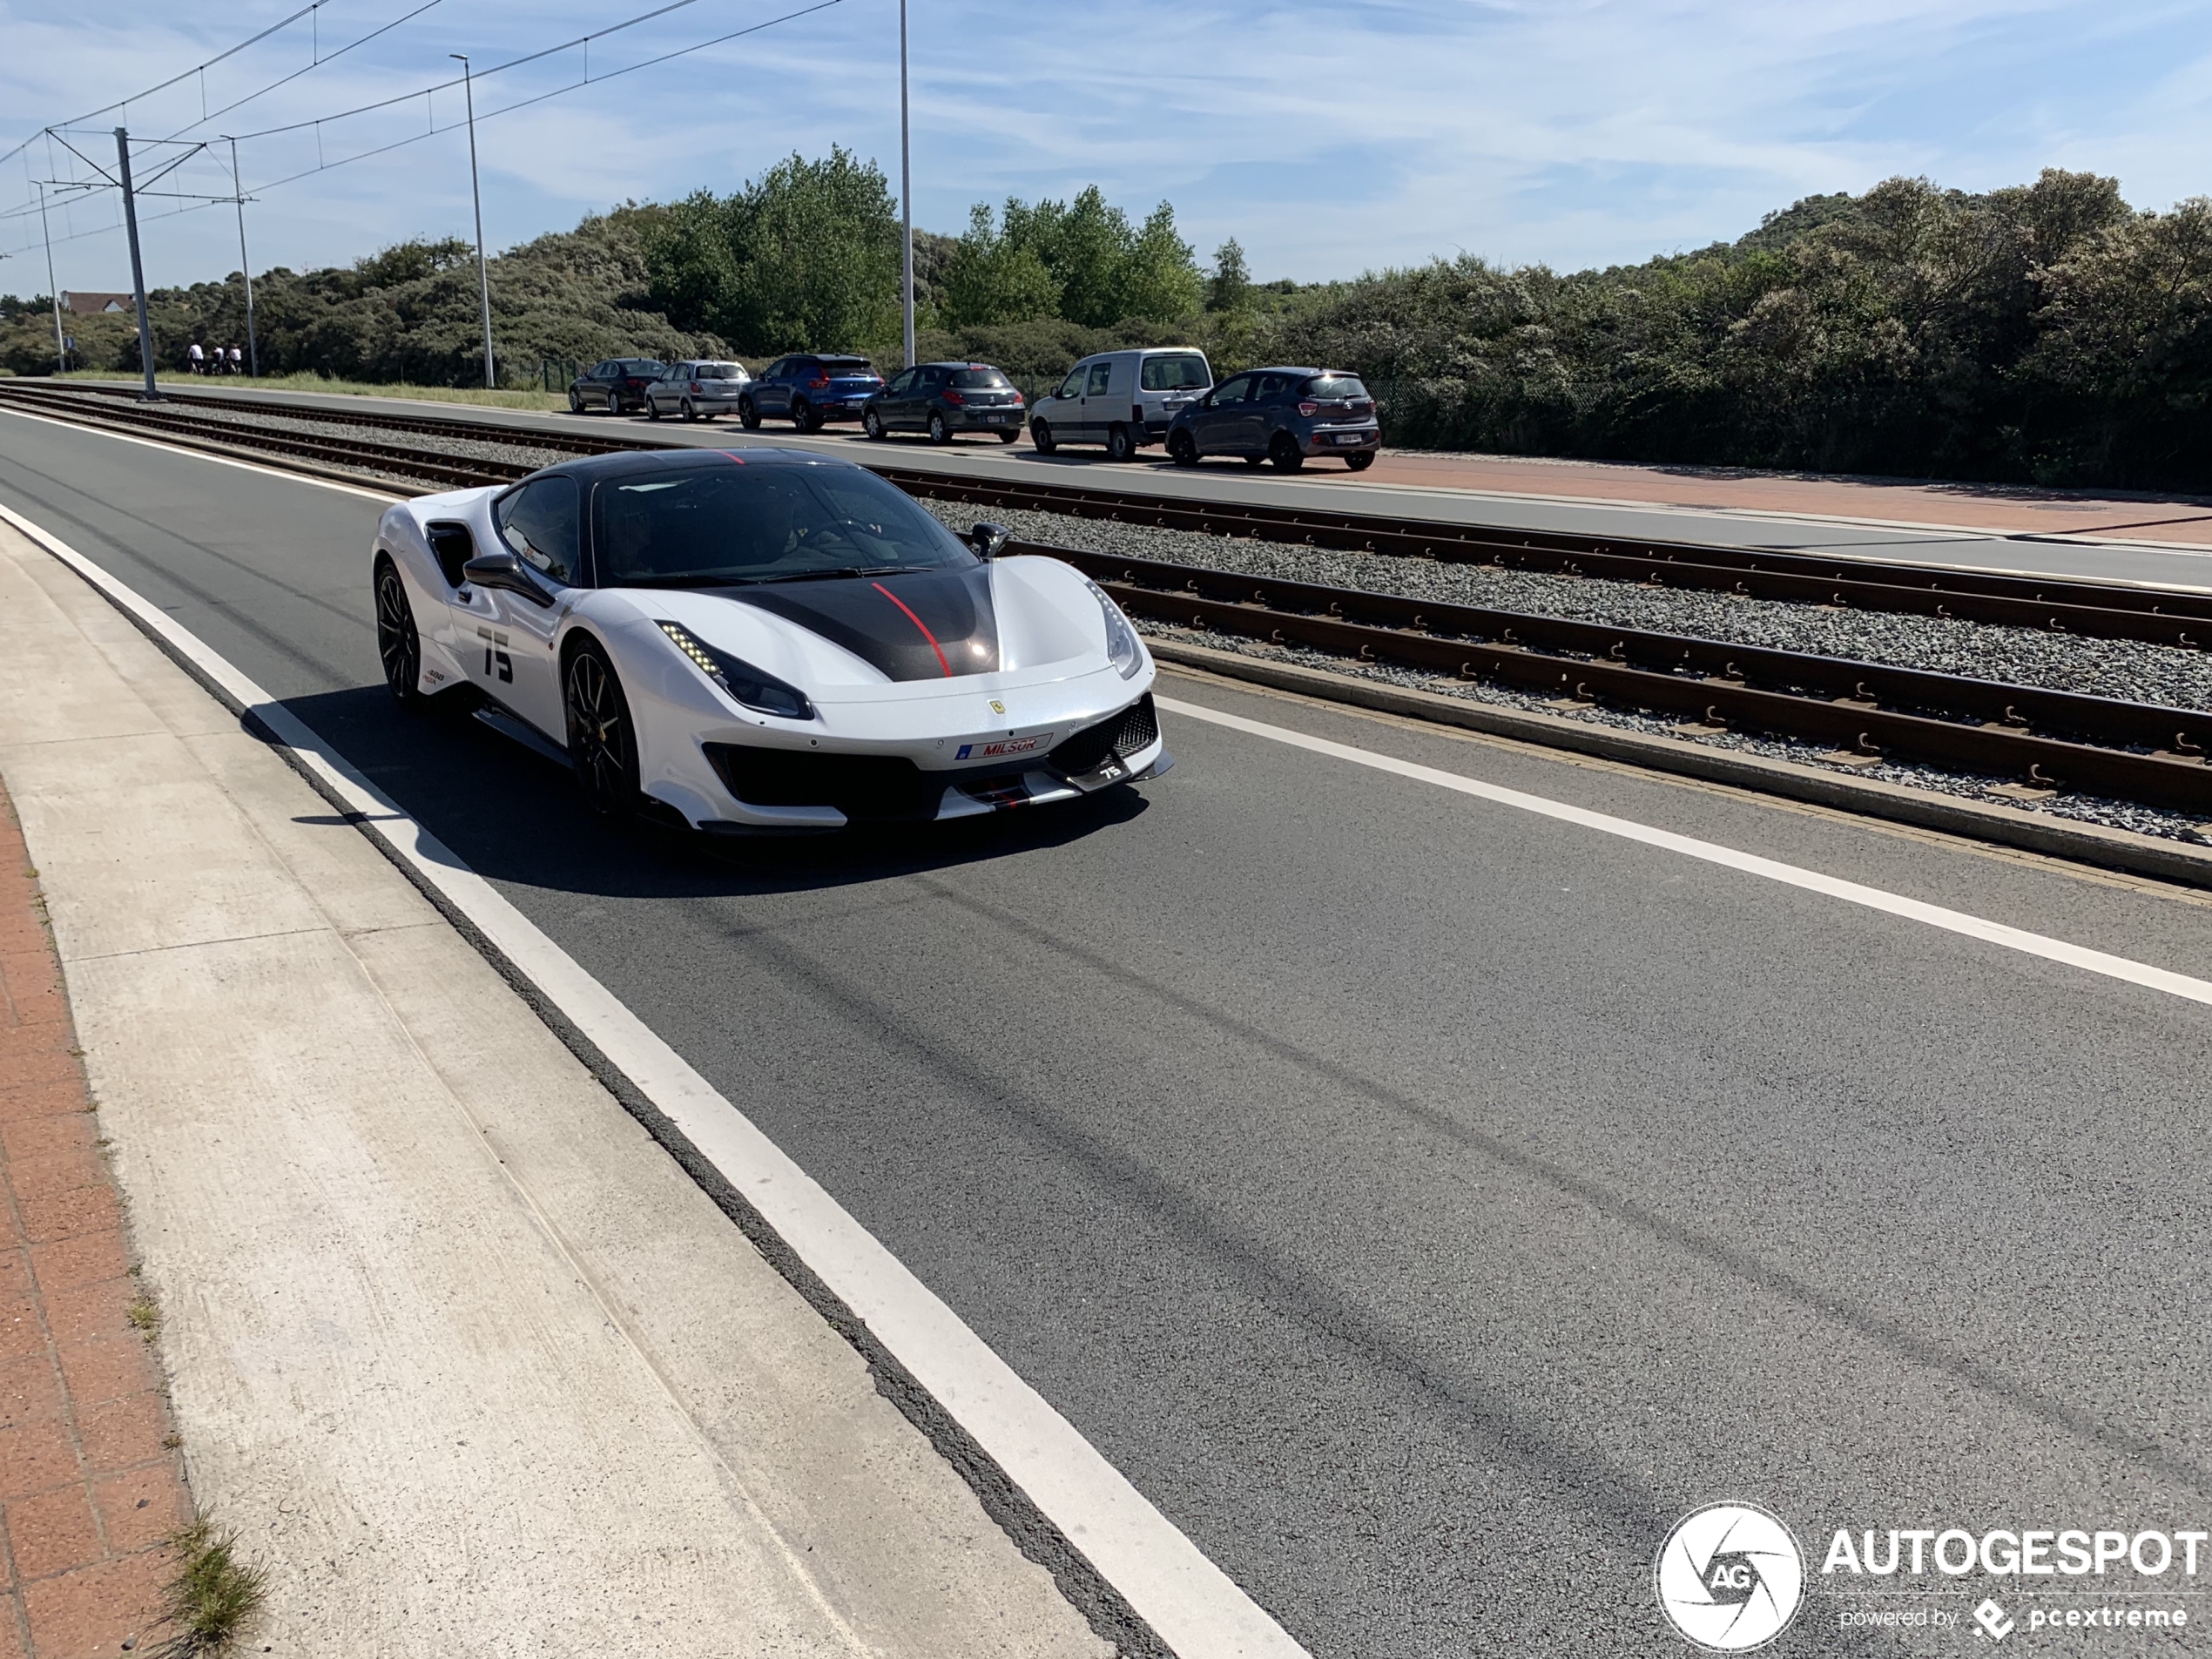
(1183, 449)
(576, 401)
(939, 431)
(748, 417)
(398, 644)
(652, 410)
(1041, 436)
(602, 744)
(871, 423)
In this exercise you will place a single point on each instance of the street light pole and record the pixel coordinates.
(61, 351)
(138, 266)
(238, 195)
(905, 193)
(483, 278)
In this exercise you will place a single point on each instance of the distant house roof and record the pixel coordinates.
(83, 304)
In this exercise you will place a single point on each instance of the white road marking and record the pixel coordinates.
(1195, 1608)
(1956, 922)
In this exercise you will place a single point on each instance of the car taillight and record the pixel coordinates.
(1309, 408)
(819, 380)
(954, 397)
(1017, 400)
(696, 386)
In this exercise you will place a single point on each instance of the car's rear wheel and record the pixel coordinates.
(939, 431)
(1362, 461)
(398, 642)
(748, 417)
(1119, 445)
(602, 744)
(871, 423)
(1009, 435)
(1183, 449)
(1283, 452)
(803, 415)
(1041, 436)
(688, 410)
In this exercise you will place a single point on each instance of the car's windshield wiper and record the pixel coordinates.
(693, 581)
(841, 571)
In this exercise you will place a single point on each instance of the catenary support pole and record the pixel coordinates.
(238, 195)
(483, 277)
(906, 194)
(137, 265)
(61, 346)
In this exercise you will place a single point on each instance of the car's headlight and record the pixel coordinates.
(1121, 649)
(743, 683)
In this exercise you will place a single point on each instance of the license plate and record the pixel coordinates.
(1351, 437)
(1001, 418)
(1000, 748)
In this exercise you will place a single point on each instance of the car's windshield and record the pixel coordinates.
(979, 379)
(1335, 386)
(739, 523)
(1184, 372)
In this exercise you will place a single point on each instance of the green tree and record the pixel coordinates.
(1231, 284)
(992, 278)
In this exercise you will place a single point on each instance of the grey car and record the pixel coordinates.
(697, 389)
(1285, 415)
(944, 400)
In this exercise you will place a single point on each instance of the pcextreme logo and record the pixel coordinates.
(1730, 1577)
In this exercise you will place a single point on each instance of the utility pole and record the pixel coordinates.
(483, 278)
(238, 195)
(61, 351)
(138, 266)
(905, 192)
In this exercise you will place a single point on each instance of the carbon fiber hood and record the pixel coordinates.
(918, 625)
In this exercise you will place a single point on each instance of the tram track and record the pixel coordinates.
(1864, 711)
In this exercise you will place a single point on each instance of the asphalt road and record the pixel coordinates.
(1328, 488)
(1424, 1203)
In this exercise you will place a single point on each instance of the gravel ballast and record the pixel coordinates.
(2123, 669)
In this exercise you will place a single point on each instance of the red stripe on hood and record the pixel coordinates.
(917, 622)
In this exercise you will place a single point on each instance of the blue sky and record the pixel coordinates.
(1327, 138)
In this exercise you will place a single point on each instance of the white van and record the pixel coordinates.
(1121, 399)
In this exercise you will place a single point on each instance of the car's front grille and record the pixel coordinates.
(1131, 732)
(866, 788)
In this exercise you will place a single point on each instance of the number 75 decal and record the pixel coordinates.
(496, 656)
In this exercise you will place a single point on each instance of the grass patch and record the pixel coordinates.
(214, 1597)
(145, 1317)
(502, 398)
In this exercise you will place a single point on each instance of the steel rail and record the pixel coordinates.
(2102, 610)
(2042, 738)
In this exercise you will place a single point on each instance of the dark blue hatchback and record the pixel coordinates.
(809, 387)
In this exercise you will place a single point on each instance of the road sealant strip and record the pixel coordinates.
(1034, 1466)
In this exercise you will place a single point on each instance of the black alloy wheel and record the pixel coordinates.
(1119, 445)
(1009, 435)
(397, 642)
(576, 401)
(1360, 462)
(1183, 449)
(803, 415)
(1283, 452)
(871, 423)
(1041, 436)
(939, 431)
(602, 744)
(748, 417)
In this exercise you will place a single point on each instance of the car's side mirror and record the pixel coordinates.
(505, 571)
(989, 540)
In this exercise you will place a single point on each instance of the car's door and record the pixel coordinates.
(771, 392)
(1097, 405)
(660, 391)
(1065, 416)
(896, 407)
(1211, 422)
(1271, 395)
(596, 382)
(513, 659)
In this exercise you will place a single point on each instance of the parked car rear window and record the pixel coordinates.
(1335, 386)
(1186, 372)
(846, 368)
(713, 524)
(979, 379)
(721, 371)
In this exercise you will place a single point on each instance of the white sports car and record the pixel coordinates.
(762, 640)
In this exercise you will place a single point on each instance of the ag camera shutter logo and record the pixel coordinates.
(1730, 1577)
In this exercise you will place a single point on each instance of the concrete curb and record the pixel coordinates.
(2081, 843)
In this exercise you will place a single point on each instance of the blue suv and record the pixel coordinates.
(809, 387)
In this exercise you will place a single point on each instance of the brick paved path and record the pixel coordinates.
(90, 1479)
